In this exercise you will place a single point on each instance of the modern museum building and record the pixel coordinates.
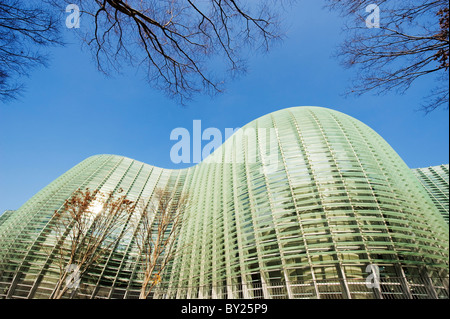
(305, 202)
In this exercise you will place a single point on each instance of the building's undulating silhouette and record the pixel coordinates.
(296, 204)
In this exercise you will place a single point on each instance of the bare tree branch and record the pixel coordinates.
(412, 42)
(85, 229)
(25, 27)
(156, 235)
(175, 41)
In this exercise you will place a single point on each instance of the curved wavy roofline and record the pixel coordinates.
(230, 138)
(310, 206)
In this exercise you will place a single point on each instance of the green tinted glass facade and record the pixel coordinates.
(435, 181)
(4, 216)
(295, 204)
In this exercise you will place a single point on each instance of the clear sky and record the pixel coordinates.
(70, 111)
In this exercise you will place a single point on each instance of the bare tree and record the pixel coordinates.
(85, 229)
(412, 42)
(25, 27)
(157, 234)
(176, 42)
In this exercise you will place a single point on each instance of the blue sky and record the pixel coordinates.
(70, 111)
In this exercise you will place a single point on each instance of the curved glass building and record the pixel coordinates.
(300, 203)
(435, 181)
